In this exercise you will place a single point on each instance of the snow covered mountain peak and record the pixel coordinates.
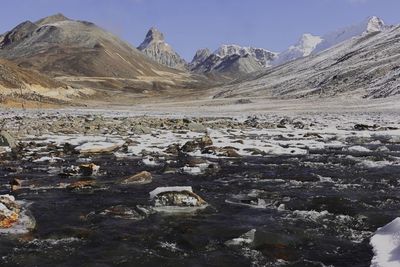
(263, 56)
(304, 47)
(369, 25)
(374, 24)
(307, 43)
(232, 49)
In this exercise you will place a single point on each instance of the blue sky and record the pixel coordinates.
(192, 24)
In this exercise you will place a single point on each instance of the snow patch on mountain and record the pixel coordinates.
(371, 24)
(263, 56)
(304, 47)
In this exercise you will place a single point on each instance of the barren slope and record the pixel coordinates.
(65, 48)
(368, 66)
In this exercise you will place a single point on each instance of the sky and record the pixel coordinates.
(192, 24)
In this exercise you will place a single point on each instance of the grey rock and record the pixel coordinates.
(197, 127)
(6, 139)
(140, 129)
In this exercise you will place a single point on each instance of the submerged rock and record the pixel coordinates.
(248, 201)
(124, 212)
(81, 185)
(89, 169)
(245, 239)
(176, 199)
(275, 245)
(143, 177)
(15, 184)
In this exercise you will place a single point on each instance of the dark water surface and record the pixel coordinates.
(327, 223)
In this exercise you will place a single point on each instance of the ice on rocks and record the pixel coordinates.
(98, 147)
(176, 199)
(386, 245)
(160, 190)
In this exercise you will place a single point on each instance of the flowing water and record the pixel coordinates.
(318, 209)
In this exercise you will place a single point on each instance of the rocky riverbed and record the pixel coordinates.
(115, 189)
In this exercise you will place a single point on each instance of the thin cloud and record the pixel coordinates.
(357, 1)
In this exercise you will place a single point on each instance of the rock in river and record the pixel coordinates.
(89, 169)
(176, 199)
(273, 244)
(14, 218)
(143, 177)
(9, 211)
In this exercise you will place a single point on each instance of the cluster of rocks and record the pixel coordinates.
(375, 127)
(189, 156)
(95, 124)
(173, 200)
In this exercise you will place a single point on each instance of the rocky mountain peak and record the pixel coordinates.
(263, 56)
(201, 55)
(51, 19)
(153, 35)
(155, 47)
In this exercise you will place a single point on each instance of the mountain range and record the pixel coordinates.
(69, 59)
(84, 55)
(233, 60)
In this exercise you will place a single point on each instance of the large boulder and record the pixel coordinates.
(176, 199)
(14, 218)
(6, 139)
(9, 211)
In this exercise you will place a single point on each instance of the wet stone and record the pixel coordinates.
(143, 177)
(89, 169)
